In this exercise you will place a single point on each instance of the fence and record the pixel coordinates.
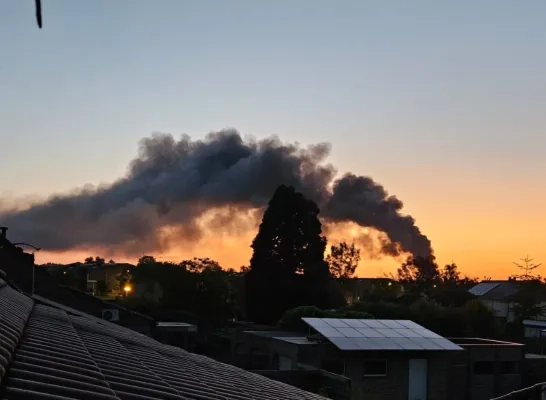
(535, 392)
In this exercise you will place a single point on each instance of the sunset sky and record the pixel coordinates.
(441, 102)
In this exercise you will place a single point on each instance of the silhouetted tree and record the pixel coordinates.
(292, 319)
(198, 287)
(450, 274)
(287, 268)
(200, 264)
(419, 273)
(529, 300)
(343, 260)
(527, 267)
(149, 260)
(97, 260)
(471, 319)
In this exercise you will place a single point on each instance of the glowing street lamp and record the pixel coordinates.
(127, 289)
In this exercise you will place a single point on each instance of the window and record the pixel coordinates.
(484, 368)
(375, 368)
(508, 367)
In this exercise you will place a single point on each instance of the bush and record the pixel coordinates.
(292, 319)
(481, 321)
(473, 319)
(380, 309)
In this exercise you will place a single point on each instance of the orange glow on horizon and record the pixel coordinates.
(486, 260)
(465, 226)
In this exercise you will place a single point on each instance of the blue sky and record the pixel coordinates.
(413, 93)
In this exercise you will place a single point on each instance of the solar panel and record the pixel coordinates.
(329, 332)
(355, 323)
(369, 332)
(392, 324)
(482, 288)
(379, 334)
(335, 322)
(373, 323)
(350, 332)
(387, 344)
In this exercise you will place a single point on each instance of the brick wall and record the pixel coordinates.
(395, 384)
(439, 365)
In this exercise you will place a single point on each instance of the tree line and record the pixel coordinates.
(289, 274)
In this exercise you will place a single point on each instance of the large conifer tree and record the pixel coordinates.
(287, 268)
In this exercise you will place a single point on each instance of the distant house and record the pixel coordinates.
(392, 359)
(384, 359)
(107, 273)
(499, 296)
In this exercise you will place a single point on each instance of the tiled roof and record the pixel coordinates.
(49, 352)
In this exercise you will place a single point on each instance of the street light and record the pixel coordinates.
(127, 289)
(33, 265)
(27, 244)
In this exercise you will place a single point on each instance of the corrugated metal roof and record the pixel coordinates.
(48, 352)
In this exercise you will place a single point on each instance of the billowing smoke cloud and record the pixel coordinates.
(171, 184)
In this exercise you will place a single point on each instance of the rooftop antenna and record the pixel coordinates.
(38, 5)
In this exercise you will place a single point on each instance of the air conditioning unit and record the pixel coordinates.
(110, 314)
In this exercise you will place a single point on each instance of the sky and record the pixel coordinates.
(441, 102)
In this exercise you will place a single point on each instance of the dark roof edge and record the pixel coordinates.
(107, 304)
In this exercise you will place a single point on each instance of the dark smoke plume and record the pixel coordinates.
(172, 183)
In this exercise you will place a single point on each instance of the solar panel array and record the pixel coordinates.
(482, 288)
(379, 334)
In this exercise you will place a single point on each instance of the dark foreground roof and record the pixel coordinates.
(48, 352)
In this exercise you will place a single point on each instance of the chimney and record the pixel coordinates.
(4, 231)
